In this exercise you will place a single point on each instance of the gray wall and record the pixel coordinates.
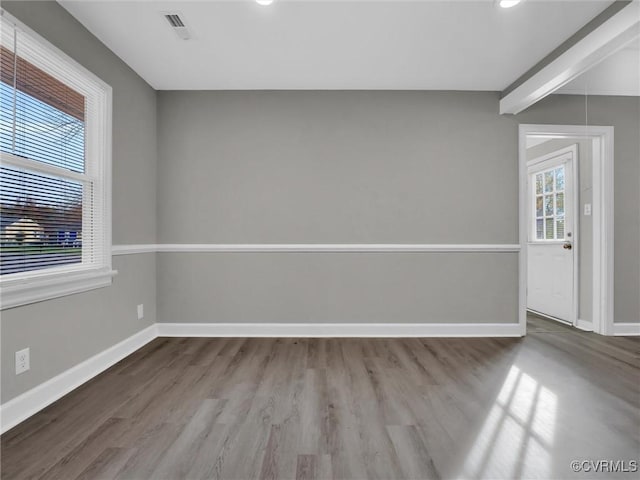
(358, 167)
(339, 287)
(585, 222)
(336, 167)
(624, 114)
(66, 331)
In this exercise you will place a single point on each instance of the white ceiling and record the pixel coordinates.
(618, 74)
(403, 45)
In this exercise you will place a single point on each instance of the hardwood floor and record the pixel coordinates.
(238, 408)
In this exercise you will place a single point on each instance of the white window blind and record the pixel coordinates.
(54, 174)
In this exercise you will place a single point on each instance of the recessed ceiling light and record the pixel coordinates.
(264, 3)
(508, 3)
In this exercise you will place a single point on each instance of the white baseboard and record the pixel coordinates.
(23, 406)
(626, 329)
(339, 330)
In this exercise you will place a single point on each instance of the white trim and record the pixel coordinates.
(106, 130)
(386, 330)
(603, 283)
(523, 229)
(626, 329)
(22, 407)
(602, 211)
(606, 39)
(321, 247)
(315, 248)
(133, 249)
(576, 241)
(46, 287)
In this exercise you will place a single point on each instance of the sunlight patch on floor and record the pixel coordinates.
(517, 436)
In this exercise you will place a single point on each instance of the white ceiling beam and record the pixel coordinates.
(604, 35)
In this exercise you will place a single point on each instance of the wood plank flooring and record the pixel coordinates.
(239, 408)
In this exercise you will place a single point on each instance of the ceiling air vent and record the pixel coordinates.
(178, 25)
(174, 20)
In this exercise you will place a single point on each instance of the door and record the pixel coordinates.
(552, 242)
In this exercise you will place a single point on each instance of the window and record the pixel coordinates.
(54, 171)
(549, 198)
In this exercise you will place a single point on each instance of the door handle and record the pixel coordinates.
(567, 246)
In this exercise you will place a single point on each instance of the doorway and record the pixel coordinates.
(553, 239)
(566, 225)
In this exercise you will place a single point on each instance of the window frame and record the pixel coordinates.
(37, 285)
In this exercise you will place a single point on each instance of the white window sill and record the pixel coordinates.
(15, 293)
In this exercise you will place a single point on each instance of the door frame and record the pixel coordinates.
(601, 211)
(575, 224)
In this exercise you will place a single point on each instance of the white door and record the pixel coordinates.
(552, 242)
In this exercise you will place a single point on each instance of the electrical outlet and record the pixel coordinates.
(22, 361)
(140, 311)
(587, 209)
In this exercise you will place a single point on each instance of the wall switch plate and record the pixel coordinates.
(140, 311)
(587, 209)
(22, 361)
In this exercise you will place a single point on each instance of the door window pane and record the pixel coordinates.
(538, 184)
(548, 182)
(560, 203)
(540, 229)
(548, 233)
(560, 228)
(560, 178)
(548, 205)
(539, 206)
